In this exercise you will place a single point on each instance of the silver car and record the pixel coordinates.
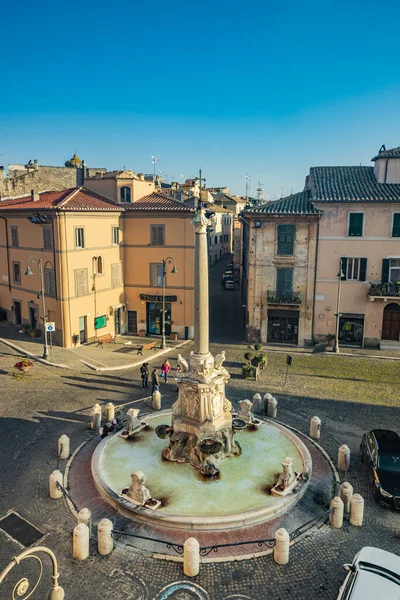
(374, 573)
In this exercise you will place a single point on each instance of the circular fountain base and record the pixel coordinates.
(239, 497)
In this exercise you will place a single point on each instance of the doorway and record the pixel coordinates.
(351, 329)
(17, 312)
(154, 318)
(132, 322)
(391, 322)
(82, 330)
(33, 317)
(117, 321)
(283, 327)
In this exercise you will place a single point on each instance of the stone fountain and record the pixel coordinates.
(201, 422)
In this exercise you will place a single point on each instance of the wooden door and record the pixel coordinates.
(17, 312)
(132, 322)
(391, 323)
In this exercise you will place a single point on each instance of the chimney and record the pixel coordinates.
(140, 176)
(34, 196)
(84, 170)
(36, 164)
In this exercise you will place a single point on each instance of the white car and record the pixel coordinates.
(374, 574)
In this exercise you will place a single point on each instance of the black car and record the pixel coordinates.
(225, 277)
(380, 452)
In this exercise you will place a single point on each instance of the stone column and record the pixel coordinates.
(336, 514)
(346, 493)
(156, 403)
(356, 510)
(96, 417)
(105, 542)
(85, 517)
(272, 407)
(63, 447)
(191, 557)
(256, 406)
(201, 334)
(281, 550)
(315, 428)
(344, 458)
(110, 411)
(55, 477)
(81, 542)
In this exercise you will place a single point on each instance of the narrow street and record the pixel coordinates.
(226, 317)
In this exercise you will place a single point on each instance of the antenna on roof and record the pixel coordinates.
(260, 193)
(247, 179)
(154, 160)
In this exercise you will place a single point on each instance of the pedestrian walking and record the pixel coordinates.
(144, 371)
(165, 369)
(155, 381)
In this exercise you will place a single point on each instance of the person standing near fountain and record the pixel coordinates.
(165, 369)
(144, 371)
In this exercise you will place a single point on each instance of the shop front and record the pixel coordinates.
(351, 329)
(154, 308)
(283, 327)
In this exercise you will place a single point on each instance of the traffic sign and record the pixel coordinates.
(50, 326)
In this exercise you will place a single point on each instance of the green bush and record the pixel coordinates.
(248, 371)
(249, 355)
(258, 347)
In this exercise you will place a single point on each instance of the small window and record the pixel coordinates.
(220, 239)
(285, 240)
(79, 237)
(115, 235)
(156, 275)
(14, 237)
(157, 236)
(81, 282)
(49, 283)
(284, 282)
(356, 224)
(396, 225)
(100, 265)
(216, 239)
(47, 238)
(125, 194)
(116, 275)
(16, 272)
(353, 268)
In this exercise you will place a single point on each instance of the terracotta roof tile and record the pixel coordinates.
(156, 201)
(296, 204)
(350, 184)
(70, 199)
(391, 153)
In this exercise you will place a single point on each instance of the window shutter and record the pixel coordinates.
(153, 275)
(396, 225)
(343, 267)
(160, 236)
(47, 239)
(385, 270)
(154, 235)
(363, 269)
(356, 224)
(14, 237)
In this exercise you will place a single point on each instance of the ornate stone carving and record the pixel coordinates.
(200, 222)
(138, 491)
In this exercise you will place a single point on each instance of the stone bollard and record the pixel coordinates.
(315, 428)
(191, 557)
(336, 513)
(356, 510)
(110, 412)
(85, 517)
(96, 417)
(105, 542)
(272, 407)
(346, 493)
(156, 404)
(265, 402)
(55, 477)
(344, 458)
(63, 447)
(257, 403)
(281, 549)
(80, 550)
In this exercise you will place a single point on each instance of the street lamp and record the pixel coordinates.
(44, 317)
(174, 271)
(340, 275)
(22, 587)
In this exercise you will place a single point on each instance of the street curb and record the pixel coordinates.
(137, 363)
(38, 358)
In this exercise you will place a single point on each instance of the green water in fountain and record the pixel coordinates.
(241, 486)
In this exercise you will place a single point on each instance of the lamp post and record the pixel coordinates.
(22, 586)
(337, 314)
(174, 270)
(44, 316)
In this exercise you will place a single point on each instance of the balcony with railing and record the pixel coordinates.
(287, 298)
(384, 290)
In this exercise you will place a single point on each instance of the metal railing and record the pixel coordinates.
(66, 495)
(178, 548)
(384, 289)
(279, 297)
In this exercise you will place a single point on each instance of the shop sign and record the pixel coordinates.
(150, 298)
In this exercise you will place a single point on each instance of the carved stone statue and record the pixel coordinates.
(182, 363)
(286, 480)
(245, 411)
(219, 359)
(133, 421)
(138, 491)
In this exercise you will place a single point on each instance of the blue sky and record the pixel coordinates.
(264, 88)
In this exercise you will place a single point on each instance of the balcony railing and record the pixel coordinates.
(278, 297)
(384, 290)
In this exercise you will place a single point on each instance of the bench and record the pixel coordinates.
(107, 338)
(148, 346)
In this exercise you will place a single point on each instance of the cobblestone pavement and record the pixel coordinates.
(40, 406)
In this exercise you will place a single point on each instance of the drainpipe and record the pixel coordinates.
(7, 252)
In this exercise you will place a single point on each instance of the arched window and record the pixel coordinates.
(100, 265)
(125, 194)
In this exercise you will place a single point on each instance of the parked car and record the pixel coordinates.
(380, 452)
(229, 284)
(228, 271)
(224, 278)
(374, 573)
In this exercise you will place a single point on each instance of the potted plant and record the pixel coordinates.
(249, 371)
(173, 336)
(24, 365)
(142, 329)
(330, 338)
(34, 333)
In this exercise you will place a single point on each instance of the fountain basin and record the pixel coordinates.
(239, 497)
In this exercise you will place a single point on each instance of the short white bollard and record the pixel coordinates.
(191, 557)
(315, 428)
(156, 404)
(272, 407)
(63, 447)
(105, 542)
(96, 417)
(80, 549)
(281, 549)
(344, 458)
(55, 477)
(356, 510)
(85, 517)
(257, 403)
(110, 411)
(266, 399)
(336, 513)
(346, 493)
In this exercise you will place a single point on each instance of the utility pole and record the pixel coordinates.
(154, 160)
